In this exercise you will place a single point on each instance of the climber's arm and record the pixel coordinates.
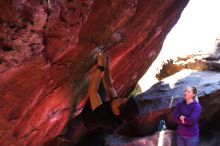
(107, 81)
(94, 82)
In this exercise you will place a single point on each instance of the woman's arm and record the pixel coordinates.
(94, 82)
(107, 81)
(176, 115)
(194, 116)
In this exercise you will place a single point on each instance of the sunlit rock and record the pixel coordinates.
(158, 102)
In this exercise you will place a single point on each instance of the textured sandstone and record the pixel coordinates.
(47, 49)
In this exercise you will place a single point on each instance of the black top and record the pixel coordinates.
(102, 116)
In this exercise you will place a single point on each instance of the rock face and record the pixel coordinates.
(198, 61)
(157, 103)
(48, 47)
(168, 92)
(163, 138)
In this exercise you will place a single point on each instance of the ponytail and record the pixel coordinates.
(195, 92)
(196, 98)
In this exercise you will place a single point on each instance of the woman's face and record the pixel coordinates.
(188, 93)
(116, 103)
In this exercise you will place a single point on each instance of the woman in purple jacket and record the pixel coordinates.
(186, 115)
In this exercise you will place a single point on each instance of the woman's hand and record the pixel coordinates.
(101, 59)
(182, 118)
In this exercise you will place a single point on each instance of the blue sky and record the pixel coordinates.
(196, 30)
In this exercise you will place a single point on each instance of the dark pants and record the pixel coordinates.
(187, 141)
(76, 130)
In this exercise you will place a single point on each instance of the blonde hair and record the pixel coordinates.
(195, 92)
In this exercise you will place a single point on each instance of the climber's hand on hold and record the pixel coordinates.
(101, 59)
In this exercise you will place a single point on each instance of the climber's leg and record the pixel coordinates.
(76, 130)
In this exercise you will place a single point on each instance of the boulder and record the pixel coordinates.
(158, 102)
(202, 60)
(47, 50)
(162, 138)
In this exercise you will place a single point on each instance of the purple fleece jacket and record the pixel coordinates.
(192, 112)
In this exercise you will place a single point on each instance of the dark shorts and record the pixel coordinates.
(102, 116)
(76, 129)
(88, 120)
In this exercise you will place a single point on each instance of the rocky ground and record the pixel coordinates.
(163, 138)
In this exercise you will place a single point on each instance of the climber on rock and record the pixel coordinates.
(101, 111)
